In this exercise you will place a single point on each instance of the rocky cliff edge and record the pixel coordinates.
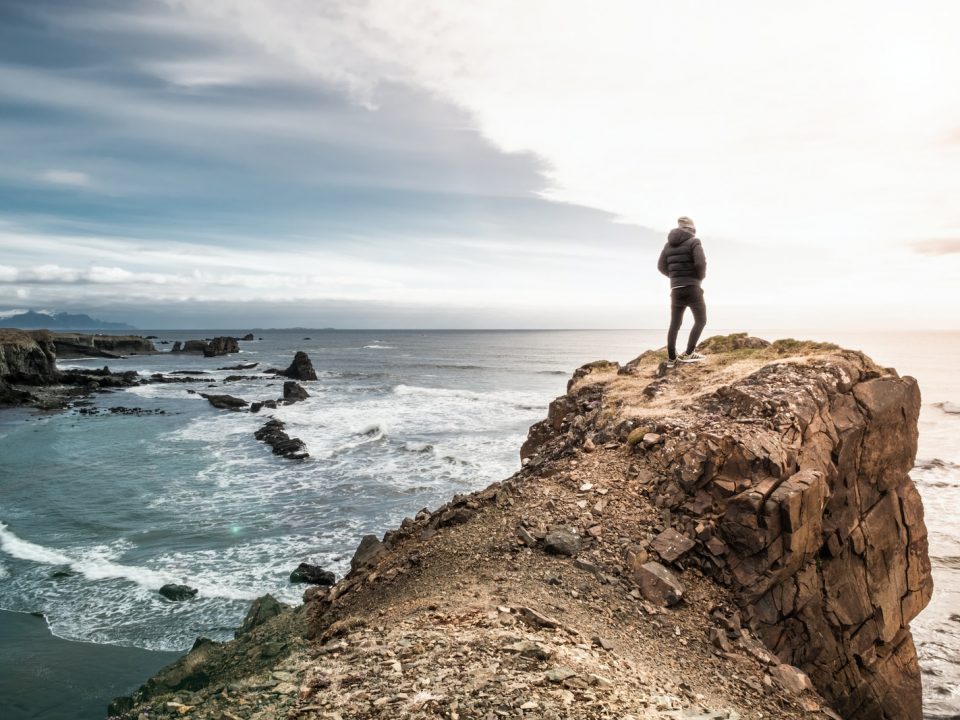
(697, 542)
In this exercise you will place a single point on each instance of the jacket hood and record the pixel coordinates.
(678, 235)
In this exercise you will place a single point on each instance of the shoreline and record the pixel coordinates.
(44, 677)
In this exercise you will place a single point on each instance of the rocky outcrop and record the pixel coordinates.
(218, 346)
(789, 480)
(273, 435)
(178, 593)
(650, 545)
(313, 575)
(301, 368)
(294, 392)
(27, 357)
(74, 345)
(225, 402)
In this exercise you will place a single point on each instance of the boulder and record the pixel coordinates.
(657, 584)
(671, 545)
(178, 593)
(301, 368)
(369, 551)
(791, 679)
(225, 402)
(261, 610)
(247, 337)
(313, 575)
(294, 392)
(562, 540)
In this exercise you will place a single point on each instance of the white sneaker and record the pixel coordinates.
(690, 357)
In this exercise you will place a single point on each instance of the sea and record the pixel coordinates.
(98, 510)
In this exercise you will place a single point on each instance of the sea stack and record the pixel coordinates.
(301, 368)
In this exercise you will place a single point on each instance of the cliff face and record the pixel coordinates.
(27, 357)
(72, 345)
(791, 480)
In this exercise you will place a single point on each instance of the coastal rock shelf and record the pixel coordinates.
(737, 538)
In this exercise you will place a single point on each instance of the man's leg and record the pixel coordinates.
(699, 308)
(677, 306)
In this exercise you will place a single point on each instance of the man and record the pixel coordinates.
(683, 261)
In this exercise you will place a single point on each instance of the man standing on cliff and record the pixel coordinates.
(683, 261)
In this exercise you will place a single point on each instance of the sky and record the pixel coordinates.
(437, 164)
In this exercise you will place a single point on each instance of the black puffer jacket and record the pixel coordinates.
(682, 259)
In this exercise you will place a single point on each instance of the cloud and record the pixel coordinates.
(73, 178)
(650, 110)
(937, 247)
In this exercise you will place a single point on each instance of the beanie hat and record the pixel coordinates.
(685, 222)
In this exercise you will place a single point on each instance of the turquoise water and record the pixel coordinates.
(397, 421)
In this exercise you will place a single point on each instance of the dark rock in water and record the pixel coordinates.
(62, 574)
(240, 366)
(238, 378)
(172, 591)
(562, 541)
(214, 347)
(248, 336)
(273, 435)
(261, 610)
(313, 574)
(294, 392)
(368, 552)
(225, 402)
(190, 346)
(188, 372)
(307, 338)
(301, 368)
(162, 379)
(258, 406)
(221, 346)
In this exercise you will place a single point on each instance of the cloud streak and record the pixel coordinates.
(73, 178)
(938, 247)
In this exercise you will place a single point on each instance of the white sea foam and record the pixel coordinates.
(26, 550)
(379, 347)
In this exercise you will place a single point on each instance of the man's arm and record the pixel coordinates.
(699, 261)
(662, 262)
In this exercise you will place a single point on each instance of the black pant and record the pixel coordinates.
(681, 298)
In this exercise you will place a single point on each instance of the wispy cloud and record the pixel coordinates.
(73, 178)
(938, 247)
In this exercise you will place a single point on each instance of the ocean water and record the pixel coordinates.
(397, 421)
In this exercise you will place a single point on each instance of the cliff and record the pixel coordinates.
(679, 543)
(27, 356)
(74, 345)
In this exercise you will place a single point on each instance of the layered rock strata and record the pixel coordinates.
(75, 345)
(790, 479)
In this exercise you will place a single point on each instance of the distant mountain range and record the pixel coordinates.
(32, 320)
